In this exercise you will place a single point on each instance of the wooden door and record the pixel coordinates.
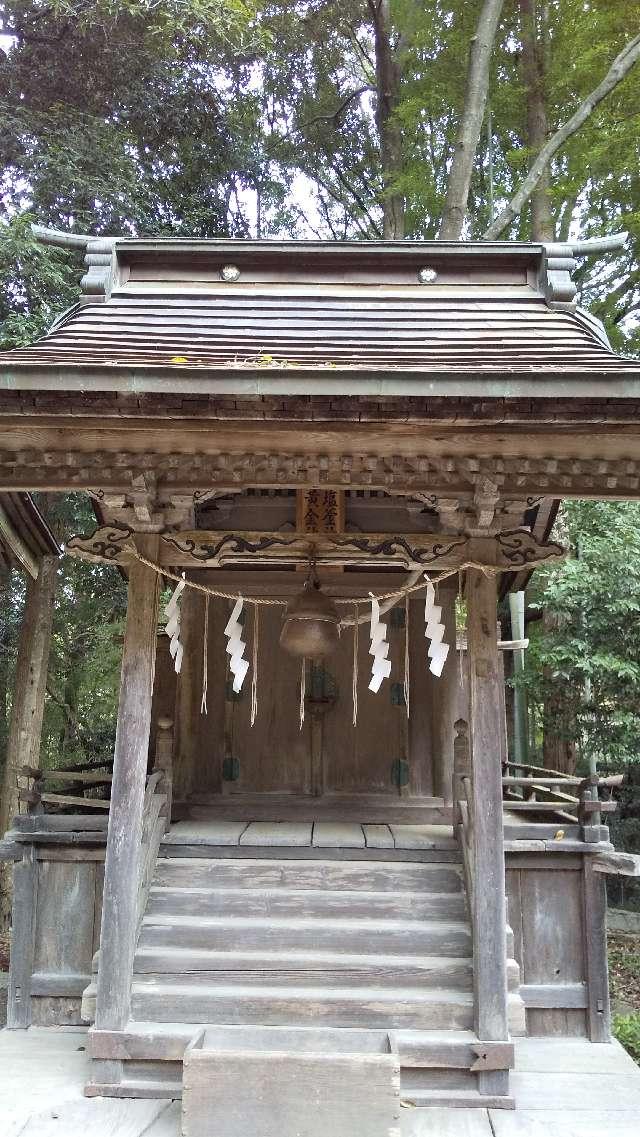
(385, 753)
(273, 756)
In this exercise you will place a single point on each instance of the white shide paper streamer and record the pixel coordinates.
(381, 667)
(172, 616)
(434, 631)
(238, 666)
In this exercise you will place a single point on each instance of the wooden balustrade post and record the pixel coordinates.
(461, 763)
(120, 901)
(164, 761)
(486, 727)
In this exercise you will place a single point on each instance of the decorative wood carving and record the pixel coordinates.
(217, 549)
(518, 547)
(214, 549)
(108, 543)
(202, 549)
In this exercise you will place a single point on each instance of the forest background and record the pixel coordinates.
(353, 119)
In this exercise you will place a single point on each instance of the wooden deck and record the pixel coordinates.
(563, 1087)
(317, 834)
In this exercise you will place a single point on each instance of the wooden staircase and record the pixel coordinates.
(378, 953)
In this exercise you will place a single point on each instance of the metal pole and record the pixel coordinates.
(490, 155)
(520, 724)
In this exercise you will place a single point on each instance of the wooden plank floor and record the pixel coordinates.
(310, 834)
(563, 1088)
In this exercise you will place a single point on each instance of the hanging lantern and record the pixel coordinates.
(311, 622)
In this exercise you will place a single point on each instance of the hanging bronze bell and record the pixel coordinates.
(310, 624)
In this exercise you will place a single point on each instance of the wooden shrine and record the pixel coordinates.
(310, 858)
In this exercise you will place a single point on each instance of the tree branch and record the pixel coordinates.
(64, 706)
(619, 68)
(475, 98)
(339, 110)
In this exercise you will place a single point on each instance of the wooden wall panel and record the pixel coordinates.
(552, 927)
(422, 696)
(199, 747)
(65, 917)
(546, 914)
(209, 728)
(64, 939)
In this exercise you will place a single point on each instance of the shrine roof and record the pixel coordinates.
(315, 317)
(25, 536)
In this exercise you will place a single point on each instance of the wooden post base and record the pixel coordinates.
(233, 1093)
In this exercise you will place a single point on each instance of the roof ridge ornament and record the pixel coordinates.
(98, 280)
(559, 263)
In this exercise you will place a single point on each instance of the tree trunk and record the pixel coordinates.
(23, 746)
(620, 67)
(475, 100)
(559, 753)
(558, 717)
(533, 74)
(4, 662)
(388, 75)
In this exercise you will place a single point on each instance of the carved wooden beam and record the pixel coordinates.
(111, 544)
(206, 549)
(436, 476)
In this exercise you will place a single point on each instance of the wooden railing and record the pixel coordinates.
(156, 818)
(154, 824)
(43, 793)
(463, 804)
(535, 790)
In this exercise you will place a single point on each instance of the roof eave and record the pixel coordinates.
(296, 382)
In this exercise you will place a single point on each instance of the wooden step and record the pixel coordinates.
(305, 902)
(416, 1080)
(451, 1098)
(437, 971)
(369, 876)
(235, 933)
(135, 1088)
(270, 1004)
(168, 1041)
(445, 1049)
(429, 969)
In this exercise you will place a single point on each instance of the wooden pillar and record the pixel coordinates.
(25, 895)
(486, 727)
(595, 934)
(23, 745)
(120, 900)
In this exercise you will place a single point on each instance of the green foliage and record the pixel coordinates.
(582, 670)
(36, 283)
(590, 643)
(626, 1028)
(215, 118)
(83, 678)
(84, 667)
